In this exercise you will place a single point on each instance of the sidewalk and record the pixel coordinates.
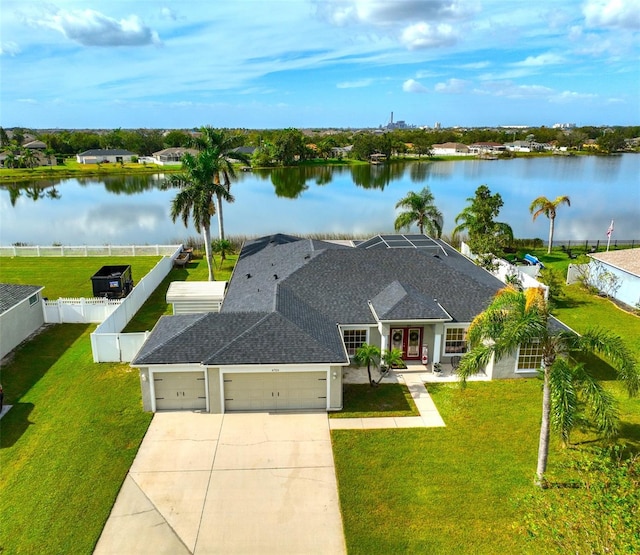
(429, 415)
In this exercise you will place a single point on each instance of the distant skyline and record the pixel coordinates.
(318, 63)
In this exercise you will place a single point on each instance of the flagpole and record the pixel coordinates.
(609, 232)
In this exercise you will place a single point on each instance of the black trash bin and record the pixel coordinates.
(113, 282)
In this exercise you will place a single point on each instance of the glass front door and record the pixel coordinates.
(408, 341)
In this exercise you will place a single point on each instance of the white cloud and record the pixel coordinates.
(9, 48)
(508, 89)
(424, 35)
(412, 86)
(541, 60)
(612, 13)
(385, 13)
(453, 86)
(355, 84)
(91, 28)
(27, 100)
(570, 96)
(168, 13)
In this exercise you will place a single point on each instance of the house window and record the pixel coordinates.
(455, 341)
(529, 357)
(354, 339)
(33, 299)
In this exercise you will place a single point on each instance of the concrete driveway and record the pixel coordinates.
(250, 483)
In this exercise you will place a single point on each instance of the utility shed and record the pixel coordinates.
(189, 297)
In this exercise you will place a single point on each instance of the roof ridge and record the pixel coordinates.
(182, 331)
(242, 334)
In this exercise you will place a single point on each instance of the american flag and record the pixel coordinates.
(610, 230)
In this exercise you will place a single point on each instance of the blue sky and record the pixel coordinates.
(318, 63)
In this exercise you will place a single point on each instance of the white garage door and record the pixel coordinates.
(180, 390)
(275, 391)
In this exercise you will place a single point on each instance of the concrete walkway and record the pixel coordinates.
(429, 415)
(241, 483)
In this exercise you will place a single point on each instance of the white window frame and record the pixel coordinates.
(354, 329)
(528, 370)
(446, 353)
(33, 299)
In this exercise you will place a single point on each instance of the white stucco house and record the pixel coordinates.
(171, 156)
(21, 314)
(624, 266)
(295, 312)
(105, 155)
(450, 149)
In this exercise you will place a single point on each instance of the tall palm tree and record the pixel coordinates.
(195, 199)
(542, 205)
(515, 319)
(221, 149)
(421, 210)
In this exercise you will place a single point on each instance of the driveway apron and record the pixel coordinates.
(243, 483)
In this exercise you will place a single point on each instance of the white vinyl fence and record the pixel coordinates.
(107, 343)
(85, 250)
(79, 311)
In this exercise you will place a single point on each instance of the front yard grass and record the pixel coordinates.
(68, 276)
(67, 443)
(364, 401)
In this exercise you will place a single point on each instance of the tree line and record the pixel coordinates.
(292, 146)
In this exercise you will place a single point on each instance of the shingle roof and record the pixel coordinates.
(11, 294)
(106, 152)
(287, 296)
(627, 260)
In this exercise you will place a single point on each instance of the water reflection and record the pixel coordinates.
(340, 199)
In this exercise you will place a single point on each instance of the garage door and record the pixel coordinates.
(275, 391)
(180, 390)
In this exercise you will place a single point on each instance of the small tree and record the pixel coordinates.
(222, 247)
(368, 355)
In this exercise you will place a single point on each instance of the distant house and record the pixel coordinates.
(624, 265)
(524, 146)
(21, 314)
(106, 155)
(450, 149)
(172, 156)
(35, 145)
(486, 148)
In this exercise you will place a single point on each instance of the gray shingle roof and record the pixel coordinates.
(287, 296)
(106, 152)
(11, 294)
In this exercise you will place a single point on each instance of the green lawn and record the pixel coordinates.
(68, 276)
(67, 443)
(364, 401)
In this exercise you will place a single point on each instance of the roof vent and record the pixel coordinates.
(248, 276)
(275, 276)
(307, 257)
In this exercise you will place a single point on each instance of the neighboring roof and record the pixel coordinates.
(176, 151)
(195, 290)
(287, 296)
(34, 144)
(627, 260)
(107, 152)
(11, 294)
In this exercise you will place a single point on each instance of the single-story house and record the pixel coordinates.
(21, 314)
(624, 266)
(295, 312)
(35, 145)
(172, 156)
(486, 147)
(105, 155)
(450, 149)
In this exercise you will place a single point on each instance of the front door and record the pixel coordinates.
(408, 341)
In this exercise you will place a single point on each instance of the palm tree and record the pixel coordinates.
(195, 198)
(221, 148)
(542, 205)
(420, 210)
(367, 355)
(515, 319)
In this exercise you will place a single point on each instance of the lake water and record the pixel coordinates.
(354, 200)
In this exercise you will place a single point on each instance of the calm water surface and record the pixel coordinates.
(126, 210)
